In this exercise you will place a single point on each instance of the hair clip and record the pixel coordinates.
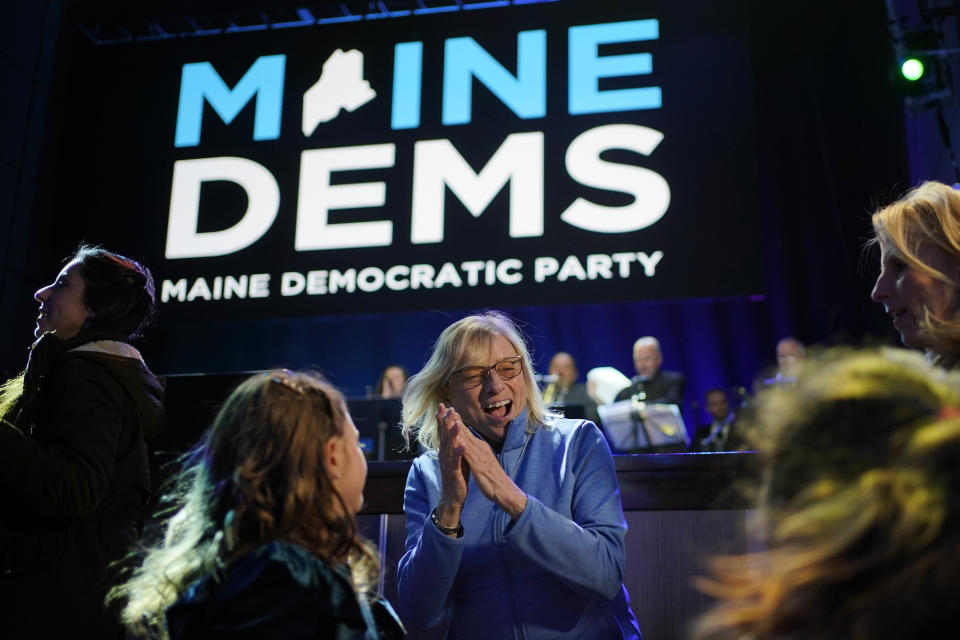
(288, 382)
(230, 531)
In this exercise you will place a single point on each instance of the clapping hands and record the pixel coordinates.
(462, 453)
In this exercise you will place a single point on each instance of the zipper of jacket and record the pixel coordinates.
(500, 522)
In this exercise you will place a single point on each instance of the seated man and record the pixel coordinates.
(720, 433)
(566, 391)
(790, 356)
(652, 384)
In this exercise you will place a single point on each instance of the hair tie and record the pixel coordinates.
(948, 413)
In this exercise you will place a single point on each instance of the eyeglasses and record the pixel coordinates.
(507, 369)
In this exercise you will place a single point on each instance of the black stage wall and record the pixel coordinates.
(28, 37)
(781, 131)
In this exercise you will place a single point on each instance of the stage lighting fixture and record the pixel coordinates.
(921, 74)
(912, 69)
(239, 20)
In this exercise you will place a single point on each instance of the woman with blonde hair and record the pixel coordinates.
(262, 539)
(859, 508)
(919, 281)
(514, 522)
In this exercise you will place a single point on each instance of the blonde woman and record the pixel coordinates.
(859, 508)
(919, 281)
(513, 515)
(262, 541)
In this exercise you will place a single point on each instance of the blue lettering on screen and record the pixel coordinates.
(200, 81)
(525, 94)
(587, 67)
(407, 81)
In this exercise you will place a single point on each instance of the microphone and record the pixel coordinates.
(641, 394)
(545, 378)
(550, 390)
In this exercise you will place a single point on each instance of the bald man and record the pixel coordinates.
(790, 355)
(653, 384)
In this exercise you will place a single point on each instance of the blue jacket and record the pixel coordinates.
(555, 572)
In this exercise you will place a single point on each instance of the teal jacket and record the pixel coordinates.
(555, 572)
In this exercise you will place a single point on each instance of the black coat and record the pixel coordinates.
(665, 386)
(577, 395)
(730, 438)
(74, 484)
(283, 591)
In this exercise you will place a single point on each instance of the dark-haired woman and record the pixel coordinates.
(74, 472)
(392, 381)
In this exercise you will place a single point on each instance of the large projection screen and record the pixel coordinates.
(553, 153)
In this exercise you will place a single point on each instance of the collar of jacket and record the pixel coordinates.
(637, 379)
(111, 347)
(516, 433)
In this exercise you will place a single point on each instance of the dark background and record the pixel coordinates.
(825, 143)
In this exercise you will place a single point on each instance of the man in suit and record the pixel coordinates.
(790, 356)
(652, 384)
(720, 433)
(565, 390)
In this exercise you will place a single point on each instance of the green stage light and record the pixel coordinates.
(912, 69)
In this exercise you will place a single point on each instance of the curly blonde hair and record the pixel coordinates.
(257, 476)
(465, 342)
(859, 508)
(927, 216)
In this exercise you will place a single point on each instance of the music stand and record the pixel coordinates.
(378, 421)
(632, 426)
